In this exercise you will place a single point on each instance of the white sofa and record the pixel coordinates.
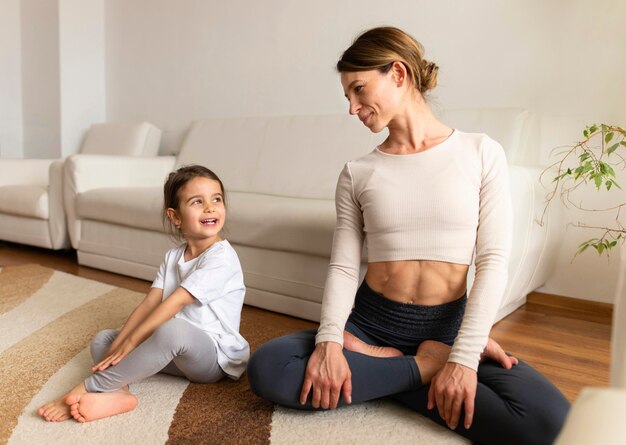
(31, 190)
(280, 175)
(597, 416)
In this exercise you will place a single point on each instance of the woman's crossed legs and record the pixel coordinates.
(513, 406)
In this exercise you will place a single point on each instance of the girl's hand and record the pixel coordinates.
(452, 388)
(328, 375)
(115, 356)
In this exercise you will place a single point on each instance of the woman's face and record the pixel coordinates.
(374, 97)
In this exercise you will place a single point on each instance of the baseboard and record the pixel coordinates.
(575, 304)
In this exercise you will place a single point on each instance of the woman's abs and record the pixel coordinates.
(418, 281)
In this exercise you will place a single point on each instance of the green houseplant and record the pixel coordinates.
(592, 161)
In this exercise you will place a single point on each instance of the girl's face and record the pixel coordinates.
(201, 212)
(375, 97)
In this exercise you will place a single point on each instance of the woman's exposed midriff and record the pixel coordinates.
(420, 282)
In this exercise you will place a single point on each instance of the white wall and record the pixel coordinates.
(52, 78)
(10, 80)
(40, 78)
(172, 62)
(82, 71)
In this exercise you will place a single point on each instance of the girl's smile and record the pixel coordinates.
(201, 213)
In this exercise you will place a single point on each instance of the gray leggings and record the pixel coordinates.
(177, 347)
(517, 406)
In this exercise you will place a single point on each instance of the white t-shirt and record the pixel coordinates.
(215, 280)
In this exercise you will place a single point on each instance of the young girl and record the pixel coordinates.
(188, 323)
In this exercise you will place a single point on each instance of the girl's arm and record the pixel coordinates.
(141, 312)
(162, 313)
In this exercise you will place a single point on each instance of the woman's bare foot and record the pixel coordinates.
(493, 351)
(355, 344)
(58, 410)
(94, 406)
(430, 358)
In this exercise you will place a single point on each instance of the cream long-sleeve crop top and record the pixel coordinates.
(447, 203)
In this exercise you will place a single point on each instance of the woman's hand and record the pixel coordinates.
(452, 388)
(328, 375)
(115, 356)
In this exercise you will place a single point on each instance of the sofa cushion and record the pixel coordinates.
(511, 127)
(139, 207)
(126, 139)
(296, 156)
(24, 200)
(281, 223)
(264, 221)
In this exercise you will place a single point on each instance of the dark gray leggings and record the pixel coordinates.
(517, 406)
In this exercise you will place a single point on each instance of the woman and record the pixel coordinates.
(425, 201)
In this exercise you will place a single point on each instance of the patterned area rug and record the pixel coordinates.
(47, 319)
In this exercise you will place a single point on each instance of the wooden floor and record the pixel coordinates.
(566, 339)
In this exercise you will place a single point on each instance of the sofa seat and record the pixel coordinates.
(255, 220)
(24, 200)
(139, 207)
(280, 223)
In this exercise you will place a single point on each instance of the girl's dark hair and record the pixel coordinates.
(175, 181)
(379, 48)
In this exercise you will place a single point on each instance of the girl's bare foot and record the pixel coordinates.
(355, 344)
(430, 358)
(58, 410)
(55, 411)
(94, 406)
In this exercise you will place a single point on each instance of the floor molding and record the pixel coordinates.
(576, 304)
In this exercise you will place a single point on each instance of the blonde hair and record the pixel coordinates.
(380, 47)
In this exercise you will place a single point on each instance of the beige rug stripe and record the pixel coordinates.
(28, 364)
(60, 294)
(17, 283)
(147, 425)
(380, 421)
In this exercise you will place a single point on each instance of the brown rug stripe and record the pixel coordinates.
(228, 412)
(27, 366)
(18, 283)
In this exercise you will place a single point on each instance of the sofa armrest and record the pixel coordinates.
(85, 172)
(597, 417)
(57, 222)
(533, 245)
(618, 331)
(24, 171)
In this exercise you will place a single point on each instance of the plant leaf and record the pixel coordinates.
(612, 148)
(608, 137)
(598, 180)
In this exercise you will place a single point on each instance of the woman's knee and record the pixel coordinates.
(261, 371)
(544, 421)
(276, 371)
